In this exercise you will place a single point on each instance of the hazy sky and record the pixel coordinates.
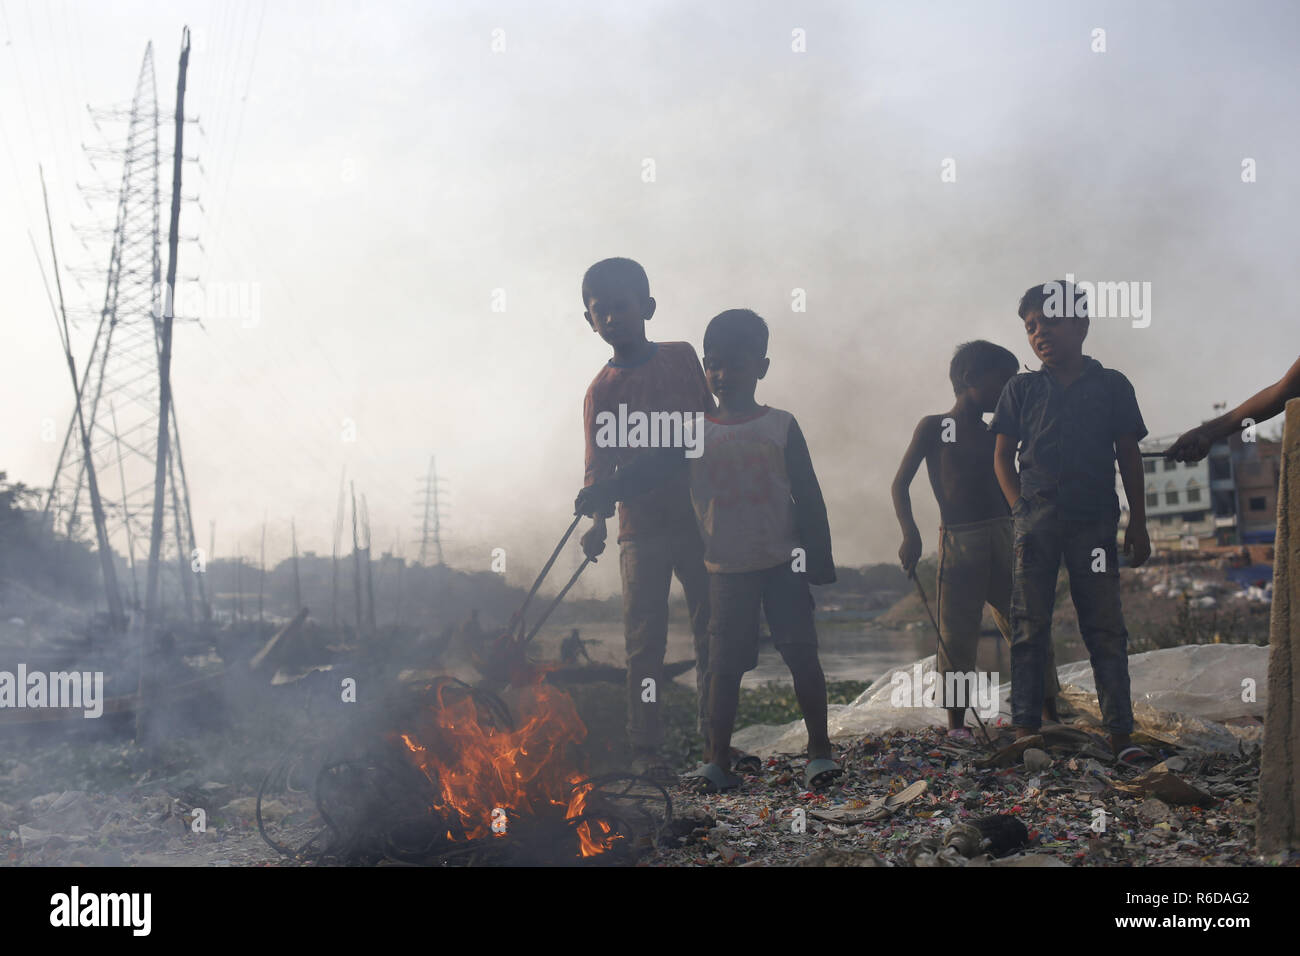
(375, 171)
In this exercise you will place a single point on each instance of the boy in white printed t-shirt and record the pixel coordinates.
(766, 538)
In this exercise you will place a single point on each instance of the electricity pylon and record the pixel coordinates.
(119, 389)
(431, 518)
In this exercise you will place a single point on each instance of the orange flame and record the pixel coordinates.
(588, 845)
(485, 775)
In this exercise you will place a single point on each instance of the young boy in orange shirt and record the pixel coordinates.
(657, 536)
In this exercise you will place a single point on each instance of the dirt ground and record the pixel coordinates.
(104, 801)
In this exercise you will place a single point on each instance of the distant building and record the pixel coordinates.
(1228, 498)
(1223, 493)
(1178, 496)
(1257, 468)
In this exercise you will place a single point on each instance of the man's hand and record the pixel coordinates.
(1191, 446)
(597, 499)
(1137, 545)
(593, 542)
(909, 552)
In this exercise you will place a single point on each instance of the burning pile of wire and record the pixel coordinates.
(465, 782)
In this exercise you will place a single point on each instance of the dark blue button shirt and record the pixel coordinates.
(1067, 436)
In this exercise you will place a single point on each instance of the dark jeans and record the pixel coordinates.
(1043, 538)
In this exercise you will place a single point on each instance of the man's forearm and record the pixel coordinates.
(1260, 407)
(1225, 425)
(1267, 402)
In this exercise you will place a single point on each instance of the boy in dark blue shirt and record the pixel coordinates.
(1071, 420)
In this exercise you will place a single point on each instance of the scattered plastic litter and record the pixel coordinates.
(1077, 805)
(1080, 811)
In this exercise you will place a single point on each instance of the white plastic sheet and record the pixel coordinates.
(1179, 693)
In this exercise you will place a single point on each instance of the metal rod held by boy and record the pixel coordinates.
(517, 622)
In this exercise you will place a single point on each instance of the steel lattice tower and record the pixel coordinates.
(119, 384)
(431, 523)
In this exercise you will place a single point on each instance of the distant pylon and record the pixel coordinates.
(431, 524)
(121, 378)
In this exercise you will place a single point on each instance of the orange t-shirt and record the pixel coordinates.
(669, 381)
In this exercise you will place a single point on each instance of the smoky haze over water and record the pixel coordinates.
(378, 171)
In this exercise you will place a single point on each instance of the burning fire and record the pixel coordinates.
(588, 844)
(487, 777)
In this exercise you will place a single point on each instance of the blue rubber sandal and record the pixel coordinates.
(820, 773)
(745, 763)
(710, 778)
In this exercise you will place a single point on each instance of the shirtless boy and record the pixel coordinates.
(976, 534)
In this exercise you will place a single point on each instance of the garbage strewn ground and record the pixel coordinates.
(1081, 810)
(909, 795)
(146, 821)
(1077, 805)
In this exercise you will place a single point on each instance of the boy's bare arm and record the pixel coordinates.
(1260, 407)
(909, 553)
(1004, 466)
(1137, 544)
